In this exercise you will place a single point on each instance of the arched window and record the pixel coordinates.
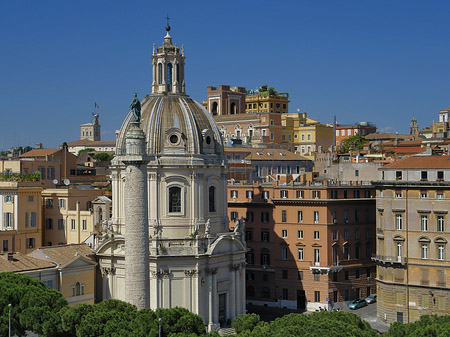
(265, 293)
(100, 214)
(250, 291)
(212, 198)
(160, 73)
(233, 108)
(175, 199)
(214, 108)
(178, 72)
(169, 74)
(77, 289)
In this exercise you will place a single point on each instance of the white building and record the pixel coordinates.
(194, 261)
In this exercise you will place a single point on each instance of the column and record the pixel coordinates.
(237, 299)
(16, 212)
(243, 290)
(233, 290)
(210, 302)
(215, 298)
(1, 212)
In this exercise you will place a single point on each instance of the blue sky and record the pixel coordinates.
(381, 61)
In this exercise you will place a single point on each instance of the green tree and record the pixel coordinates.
(426, 326)
(34, 306)
(85, 150)
(102, 156)
(246, 322)
(353, 143)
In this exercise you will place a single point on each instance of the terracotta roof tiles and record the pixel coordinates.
(420, 162)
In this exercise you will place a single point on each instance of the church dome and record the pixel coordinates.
(174, 123)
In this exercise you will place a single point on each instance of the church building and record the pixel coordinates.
(168, 243)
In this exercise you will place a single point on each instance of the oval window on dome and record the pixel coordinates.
(174, 139)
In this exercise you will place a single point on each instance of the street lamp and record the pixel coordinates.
(159, 323)
(9, 305)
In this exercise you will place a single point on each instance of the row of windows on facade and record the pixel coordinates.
(30, 242)
(9, 199)
(299, 194)
(265, 216)
(49, 170)
(62, 224)
(254, 105)
(8, 219)
(424, 249)
(89, 133)
(423, 194)
(265, 254)
(265, 235)
(424, 222)
(423, 175)
(425, 301)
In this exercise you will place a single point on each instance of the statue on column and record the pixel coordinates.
(135, 108)
(196, 227)
(207, 227)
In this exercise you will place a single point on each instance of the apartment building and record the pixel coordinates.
(21, 215)
(310, 243)
(347, 131)
(413, 267)
(69, 215)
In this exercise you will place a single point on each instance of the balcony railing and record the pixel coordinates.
(386, 259)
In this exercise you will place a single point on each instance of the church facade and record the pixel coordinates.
(168, 243)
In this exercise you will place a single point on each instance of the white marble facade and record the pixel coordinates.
(194, 261)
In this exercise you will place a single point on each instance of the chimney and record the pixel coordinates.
(10, 256)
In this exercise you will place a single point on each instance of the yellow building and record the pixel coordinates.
(68, 215)
(413, 264)
(306, 135)
(21, 215)
(256, 101)
(69, 269)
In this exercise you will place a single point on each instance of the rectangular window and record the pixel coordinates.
(335, 234)
(316, 277)
(346, 216)
(424, 251)
(300, 254)
(423, 194)
(299, 234)
(440, 175)
(62, 203)
(440, 195)
(316, 194)
(234, 216)
(441, 253)
(424, 222)
(316, 235)
(84, 225)
(334, 214)
(398, 221)
(316, 257)
(30, 198)
(285, 294)
(357, 233)
(284, 274)
(9, 199)
(61, 225)
(284, 253)
(248, 235)
(249, 216)
(49, 203)
(367, 233)
(234, 194)
(33, 219)
(317, 296)
(300, 275)
(346, 254)
(265, 216)
(283, 215)
(284, 194)
(265, 195)
(316, 217)
(357, 275)
(49, 223)
(265, 236)
(440, 223)
(284, 233)
(9, 220)
(398, 175)
(299, 216)
(5, 245)
(27, 219)
(356, 215)
(30, 243)
(249, 194)
(356, 194)
(300, 194)
(72, 224)
(423, 175)
(346, 234)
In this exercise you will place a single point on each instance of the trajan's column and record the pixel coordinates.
(136, 249)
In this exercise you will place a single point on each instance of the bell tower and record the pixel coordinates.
(168, 67)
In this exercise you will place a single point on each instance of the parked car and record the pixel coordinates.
(358, 303)
(371, 298)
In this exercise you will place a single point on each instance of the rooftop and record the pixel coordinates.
(420, 162)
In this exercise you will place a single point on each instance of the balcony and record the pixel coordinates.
(389, 260)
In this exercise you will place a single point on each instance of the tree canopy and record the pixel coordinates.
(427, 325)
(102, 156)
(353, 143)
